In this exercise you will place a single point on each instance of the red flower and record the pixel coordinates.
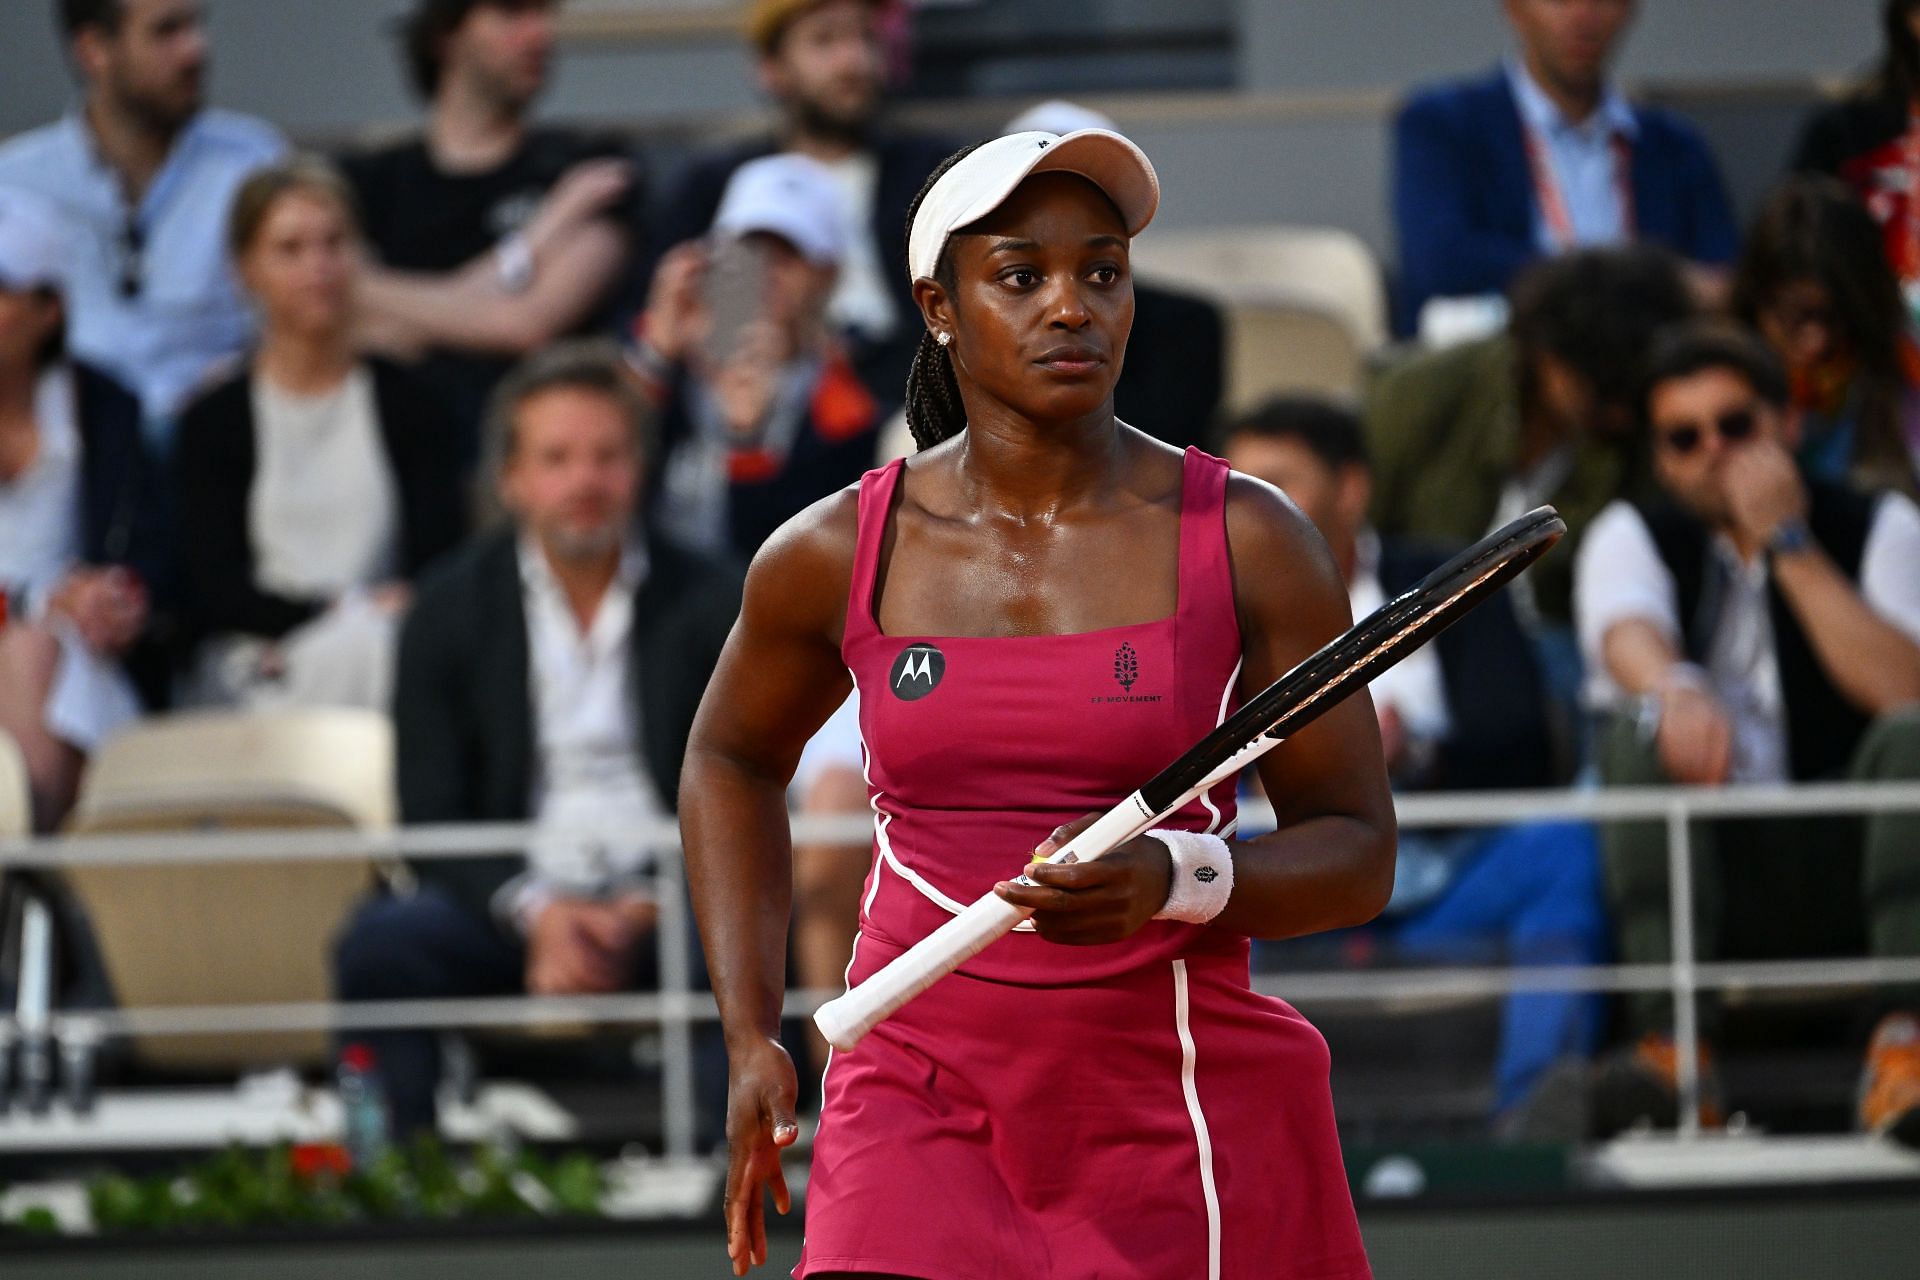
(311, 1159)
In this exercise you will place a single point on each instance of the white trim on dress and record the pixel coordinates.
(1202, 1140)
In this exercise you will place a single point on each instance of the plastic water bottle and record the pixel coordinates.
(363, 1108)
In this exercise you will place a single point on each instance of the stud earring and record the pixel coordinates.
(943, 338)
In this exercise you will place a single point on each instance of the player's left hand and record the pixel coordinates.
(1083, 903)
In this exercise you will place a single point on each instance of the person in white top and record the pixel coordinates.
(1755, 627)
(823, 65)
(81, 544)
(1467, 711)
(761, 410)
(548, 673)
(315, 483)
(142, 171)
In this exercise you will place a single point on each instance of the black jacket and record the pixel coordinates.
(463, 710)
(124, 515)
(213, 468)
(905, 162)
(1171, 383)
(822, 457)
(1839, 132)
(123, 507)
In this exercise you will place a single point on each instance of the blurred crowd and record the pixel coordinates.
(479, 427)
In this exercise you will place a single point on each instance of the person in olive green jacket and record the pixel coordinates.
(1466, 438)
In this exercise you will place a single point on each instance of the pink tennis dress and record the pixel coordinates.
(1054, 1112)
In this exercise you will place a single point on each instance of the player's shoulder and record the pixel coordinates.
(805, 569)
(1282, 570)
(1263, 521)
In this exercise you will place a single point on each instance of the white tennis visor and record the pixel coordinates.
(981, 183)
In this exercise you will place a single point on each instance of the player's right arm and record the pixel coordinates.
(778, 679)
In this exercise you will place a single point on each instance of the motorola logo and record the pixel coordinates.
(917, 672)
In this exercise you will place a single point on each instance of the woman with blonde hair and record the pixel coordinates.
(313, 484)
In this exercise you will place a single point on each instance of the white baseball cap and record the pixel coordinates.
(789, 196)
(33, 246)
(982, 181)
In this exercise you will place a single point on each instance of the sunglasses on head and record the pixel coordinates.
(1734, 426)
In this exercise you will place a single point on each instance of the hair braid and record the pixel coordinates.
(934, 410)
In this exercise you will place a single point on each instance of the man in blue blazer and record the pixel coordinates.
(1541, 155)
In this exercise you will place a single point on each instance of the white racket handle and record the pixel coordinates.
(845, 1020)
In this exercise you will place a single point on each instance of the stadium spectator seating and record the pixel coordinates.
(1325, 268)
(261, 930)
(1304, 306)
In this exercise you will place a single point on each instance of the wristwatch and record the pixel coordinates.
(513, 265)
(1789, 537)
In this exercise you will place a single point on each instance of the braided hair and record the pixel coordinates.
(934, 411)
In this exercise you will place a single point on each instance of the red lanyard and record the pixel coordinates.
(1553, 205)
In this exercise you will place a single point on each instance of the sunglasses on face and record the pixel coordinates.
(1735, 426)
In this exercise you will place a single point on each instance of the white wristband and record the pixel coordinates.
(1202, 876)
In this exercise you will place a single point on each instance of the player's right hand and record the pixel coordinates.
(761, 1092)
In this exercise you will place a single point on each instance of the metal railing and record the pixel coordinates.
(677, 1008)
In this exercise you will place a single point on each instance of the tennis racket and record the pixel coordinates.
(1277, 712)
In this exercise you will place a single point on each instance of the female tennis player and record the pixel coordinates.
(1040, 608)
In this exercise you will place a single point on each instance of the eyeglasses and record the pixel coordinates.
(1735, 426)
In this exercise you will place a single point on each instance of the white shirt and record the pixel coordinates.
(1414, 687)
(164, 338)
(1619, 576)
(40, 541)
(861, 301)
(40, 507)
(323, 515)
(1584, 159)
(1521, 494)
(587, 766)
(1585, 164)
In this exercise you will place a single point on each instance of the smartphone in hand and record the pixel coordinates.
(734, 290)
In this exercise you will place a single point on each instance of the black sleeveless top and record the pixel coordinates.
(1823, 728)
